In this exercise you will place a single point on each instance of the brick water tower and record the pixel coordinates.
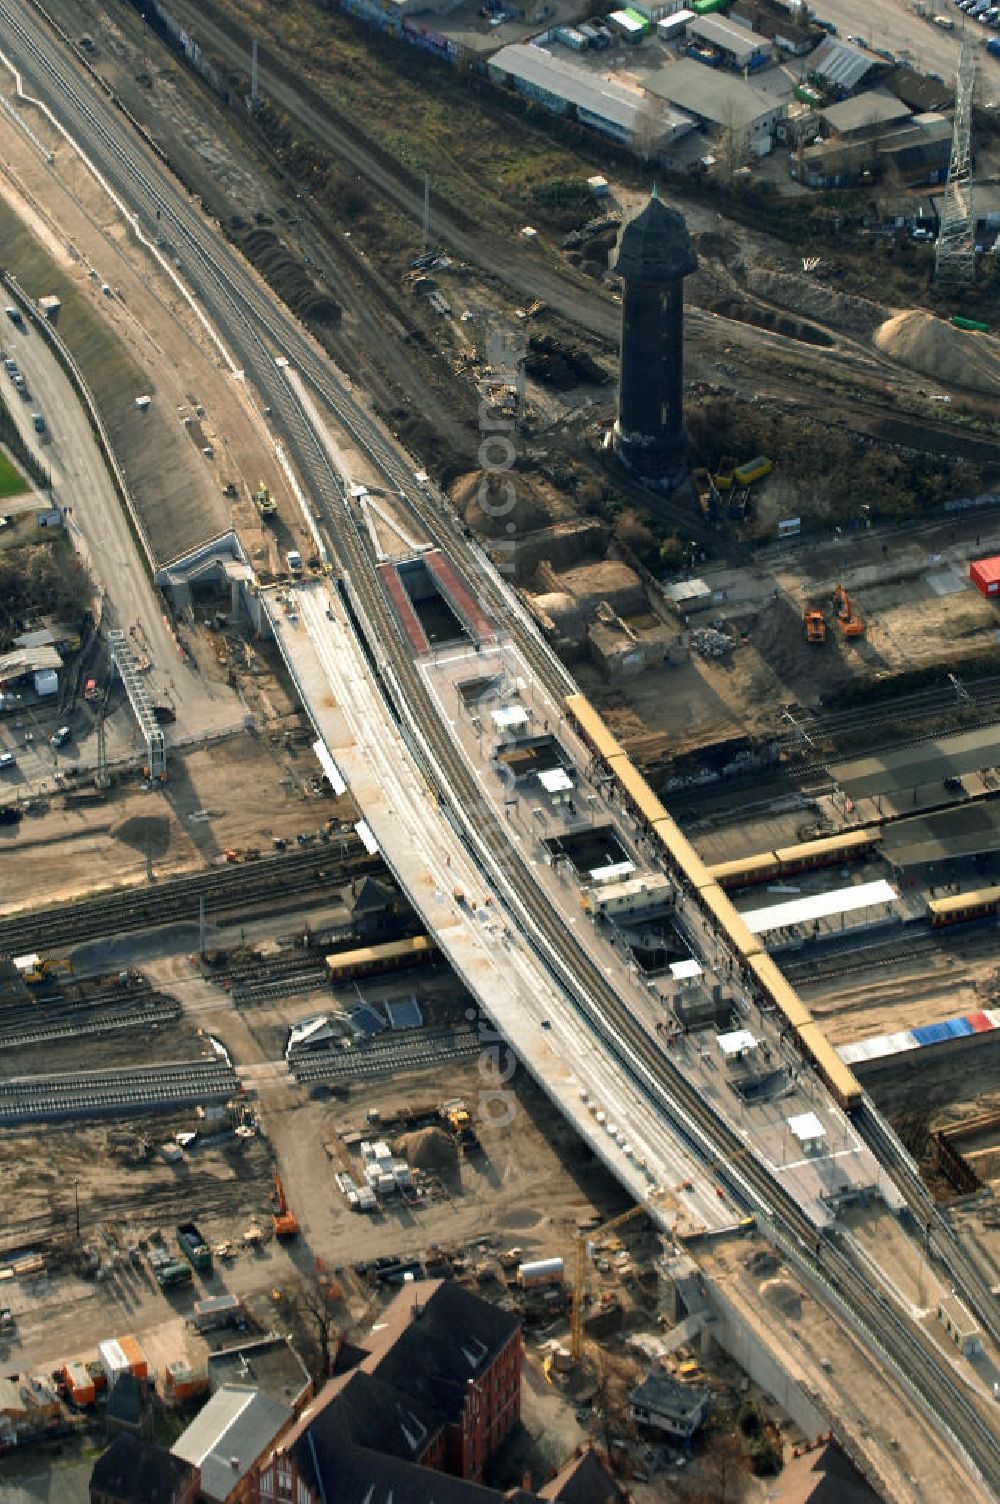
(655, 256)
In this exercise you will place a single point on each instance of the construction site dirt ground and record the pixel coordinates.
(918, 606)
(532, 1189)
(907, 1457)
(532, 1186)
(231, 794)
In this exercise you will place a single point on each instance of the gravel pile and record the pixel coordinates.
(939, 350)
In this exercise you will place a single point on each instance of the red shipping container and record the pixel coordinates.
(137, 1365)
(985, 575)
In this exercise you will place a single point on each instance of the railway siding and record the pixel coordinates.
(268, 880)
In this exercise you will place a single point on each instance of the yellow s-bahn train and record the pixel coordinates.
(706, 884)
(787, 861)
(372, 960)
(957, 908)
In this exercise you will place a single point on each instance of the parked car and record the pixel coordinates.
(59, 737)
(8, 760)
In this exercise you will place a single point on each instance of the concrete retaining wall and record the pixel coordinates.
(782, 1379)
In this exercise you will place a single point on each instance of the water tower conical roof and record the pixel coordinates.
(656, 244)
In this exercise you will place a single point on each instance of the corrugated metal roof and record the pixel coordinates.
(877, 1047)
(819, 906)
(579, 86)
(918, 1038)
(238, 1424)
(876, 107)
(986, 569)
(721, 98)
(736, 40)
(840, 63)
(949, 1028)
(26, 660)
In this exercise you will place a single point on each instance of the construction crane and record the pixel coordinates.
(851, 624)
(585, 1238)
(286, 1224)
(813, 625)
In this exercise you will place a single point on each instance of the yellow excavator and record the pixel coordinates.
(38, 969)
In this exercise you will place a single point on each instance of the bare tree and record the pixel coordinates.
(316, 1310)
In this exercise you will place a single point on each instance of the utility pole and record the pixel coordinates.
(201, 927)
(955, 260)
(101, 778)
(427, 211)
(254, 80)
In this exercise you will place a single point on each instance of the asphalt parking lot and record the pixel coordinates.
(895, 26)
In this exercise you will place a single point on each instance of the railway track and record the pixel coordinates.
(131, 1089)
(228, 889)
(896, 951)
(871, 721)
(388, 1057)
(246, 994)
(149, 1013)
(234, 298)
(57, 1005)
(939, 1236)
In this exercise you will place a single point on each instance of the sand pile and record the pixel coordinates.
(428, 1149)
(934, 347)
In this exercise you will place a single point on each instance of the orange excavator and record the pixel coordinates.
(286, 1224)
(851, 624)
(813, 625)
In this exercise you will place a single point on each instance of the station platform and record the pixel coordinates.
(518, 1002)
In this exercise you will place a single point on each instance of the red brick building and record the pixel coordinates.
(436, 1385)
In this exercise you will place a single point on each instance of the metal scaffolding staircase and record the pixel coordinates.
(142, 708)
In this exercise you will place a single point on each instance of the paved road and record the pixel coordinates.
(82, 487)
